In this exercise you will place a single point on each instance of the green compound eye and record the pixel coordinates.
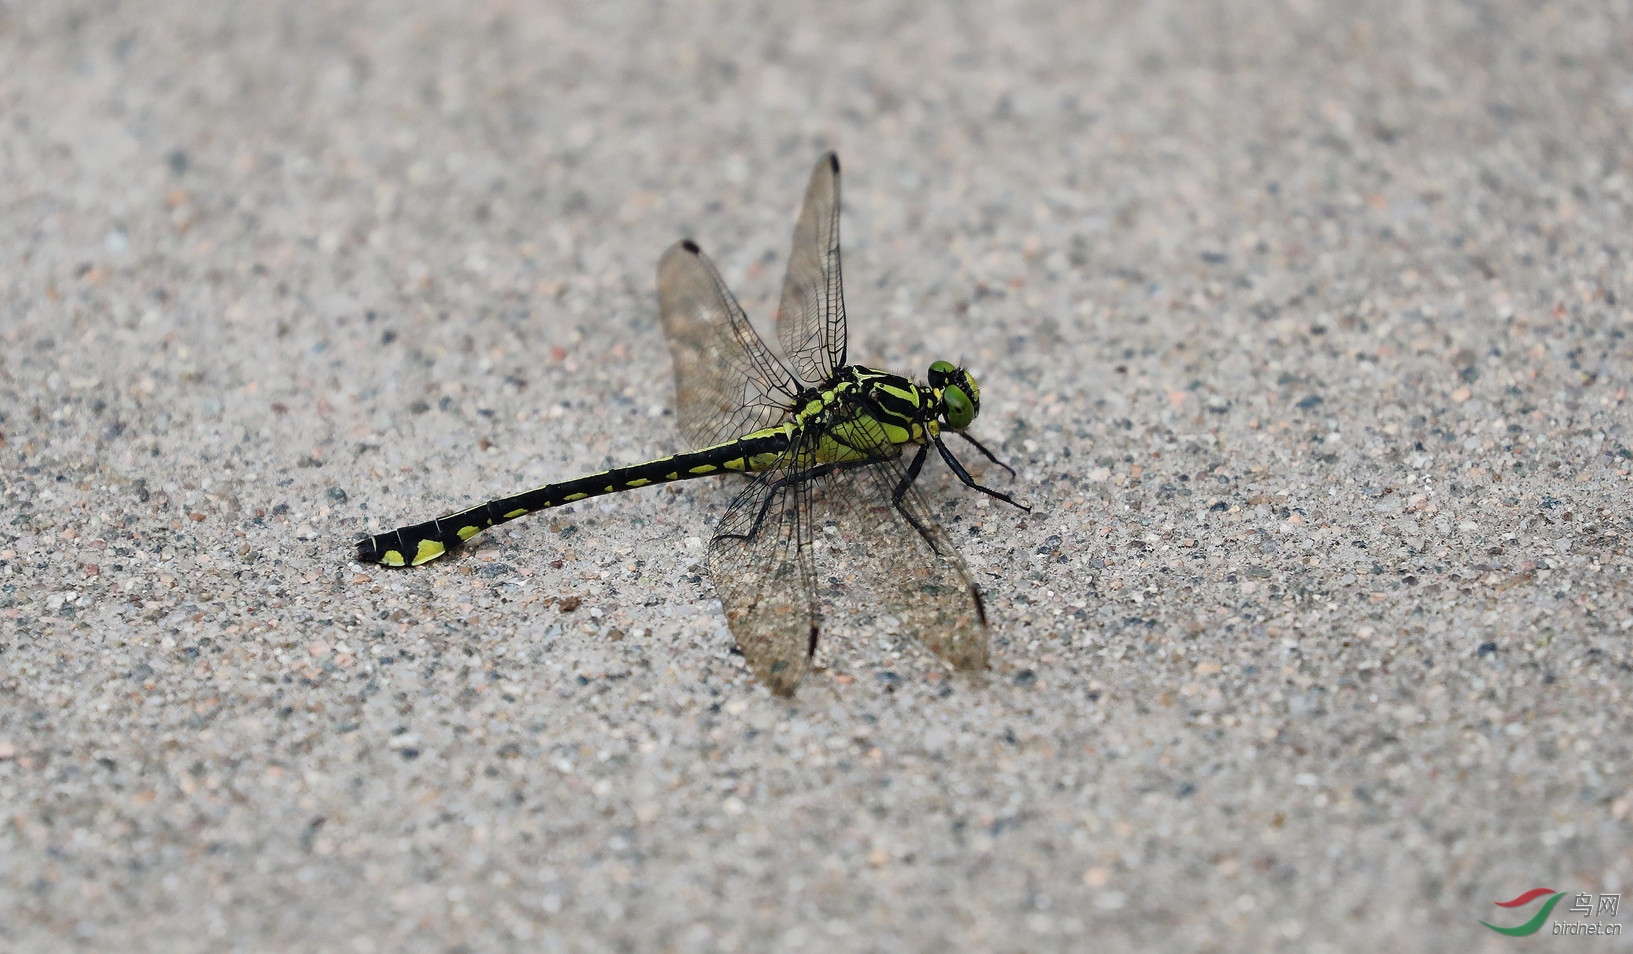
(956, 405)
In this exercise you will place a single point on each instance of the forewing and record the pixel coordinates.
(811, 316)
(913, 573)
(727, 383)
(760, 562)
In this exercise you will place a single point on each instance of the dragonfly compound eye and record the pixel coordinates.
(957, 407)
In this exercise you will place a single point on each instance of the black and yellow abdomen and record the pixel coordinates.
(423, 542)
(862, 415)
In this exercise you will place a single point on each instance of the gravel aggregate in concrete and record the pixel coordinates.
(1305, 325)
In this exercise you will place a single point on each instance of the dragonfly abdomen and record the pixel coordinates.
(423, 542)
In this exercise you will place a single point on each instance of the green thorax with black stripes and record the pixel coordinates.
(839, 423)
(835, 423)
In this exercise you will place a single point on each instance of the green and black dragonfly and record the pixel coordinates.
(816, 436)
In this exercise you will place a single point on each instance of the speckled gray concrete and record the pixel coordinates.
(1308, 334)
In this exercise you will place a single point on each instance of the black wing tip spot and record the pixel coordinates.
(833, 161)
(367, 551)
(690, 246)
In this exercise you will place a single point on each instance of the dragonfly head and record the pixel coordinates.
(956, 394)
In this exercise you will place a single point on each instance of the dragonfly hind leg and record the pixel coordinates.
(821, 470)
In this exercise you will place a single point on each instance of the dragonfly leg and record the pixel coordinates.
(964, 475)
(982, 448)
(900, 492)
(771, 495)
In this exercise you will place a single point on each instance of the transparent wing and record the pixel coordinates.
(727, 383)
(811, 316)
(760, 562)
(899, 555)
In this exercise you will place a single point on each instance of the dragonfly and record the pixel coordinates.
(831, 452)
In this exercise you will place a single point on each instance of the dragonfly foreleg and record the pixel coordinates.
(983, 449)
(969, 481)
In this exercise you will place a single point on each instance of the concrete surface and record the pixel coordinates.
(1307, 329)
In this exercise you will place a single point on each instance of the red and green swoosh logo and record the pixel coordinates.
(1535, 924)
